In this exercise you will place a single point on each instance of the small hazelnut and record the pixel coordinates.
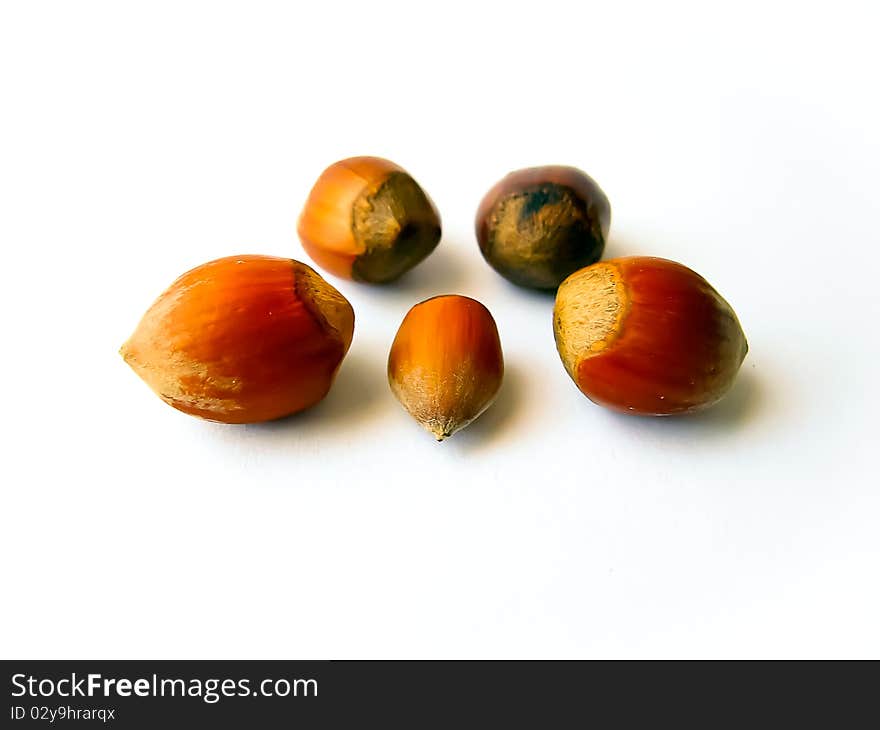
(366, 219)
(243, 339)
(445, 365)
(538, 225)
(647, 336)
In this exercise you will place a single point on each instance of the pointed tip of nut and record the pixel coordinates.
(440, 433)
(129, 354)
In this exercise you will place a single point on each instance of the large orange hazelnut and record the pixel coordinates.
(647, 336)
(243, 339)
(445, 365)
(367, 219)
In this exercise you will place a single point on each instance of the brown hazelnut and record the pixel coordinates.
(445, 365)
(243, 339)
(367, 219)
(539, 225)
(647, 336)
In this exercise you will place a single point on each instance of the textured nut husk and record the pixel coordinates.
(243, 339)
(537, 226)
(367, 219)
(445, 365)
(647, 336)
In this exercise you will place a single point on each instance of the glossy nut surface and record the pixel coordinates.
(243, 339)
(446, 365)
(536, 226)
(647, 336)
(367, 219)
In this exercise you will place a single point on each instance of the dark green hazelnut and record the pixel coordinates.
(539, 225)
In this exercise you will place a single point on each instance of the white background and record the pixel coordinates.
(141, 139)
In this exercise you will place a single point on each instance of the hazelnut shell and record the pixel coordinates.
(536, 226)
(243, 339)
(367, 219)
(647, 336)
(445, 365)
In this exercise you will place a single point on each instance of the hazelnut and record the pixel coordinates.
(538, 225)
(445, 365)
(647, 336)
(243, 339)
(366, 219)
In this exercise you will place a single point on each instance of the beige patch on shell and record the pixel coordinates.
(589, 310)
(376, 224)
(179, 380)
(325, 302)
(444, 404)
